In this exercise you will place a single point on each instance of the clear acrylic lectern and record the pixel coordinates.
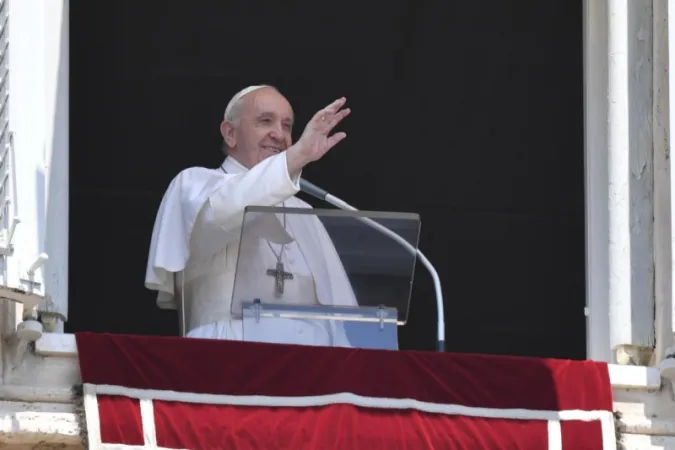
(324, 277)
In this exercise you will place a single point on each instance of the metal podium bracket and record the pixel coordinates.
(256, 309)
(381, 314)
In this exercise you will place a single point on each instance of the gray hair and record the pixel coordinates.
(233, 109)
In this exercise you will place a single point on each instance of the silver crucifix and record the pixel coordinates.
(280, 276)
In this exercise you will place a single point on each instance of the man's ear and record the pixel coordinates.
(227, 130)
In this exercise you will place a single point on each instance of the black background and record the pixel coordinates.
(469, 113)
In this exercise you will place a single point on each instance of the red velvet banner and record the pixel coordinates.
(176, 393)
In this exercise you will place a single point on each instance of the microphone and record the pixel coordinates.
(313, 190)
(322, 194)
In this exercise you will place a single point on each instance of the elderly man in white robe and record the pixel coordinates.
(196, 238)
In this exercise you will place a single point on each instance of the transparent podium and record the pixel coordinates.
(324, 277)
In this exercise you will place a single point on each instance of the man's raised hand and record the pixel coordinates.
(315, 140)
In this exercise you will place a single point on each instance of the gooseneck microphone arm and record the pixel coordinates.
(321, 194)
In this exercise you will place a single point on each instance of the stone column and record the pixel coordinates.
(56, 81)
(619, 152)
(596, 180)
(38, 120)
(630, 177)
(663, 195)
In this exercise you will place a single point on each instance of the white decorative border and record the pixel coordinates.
(146, 396)
(555, 435)
(94, 425)
(148, 423)
(91, 416)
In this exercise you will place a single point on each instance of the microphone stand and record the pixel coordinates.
(322, 194)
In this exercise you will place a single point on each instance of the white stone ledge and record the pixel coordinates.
(33, 428)
(622, 377)
(56, 344)
(634, 377)
(36, 394)
(648, 426)
(643, 442)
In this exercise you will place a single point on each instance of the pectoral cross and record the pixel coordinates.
(280, 276)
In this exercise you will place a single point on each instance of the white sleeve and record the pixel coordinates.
(266, 184)
(201, 211)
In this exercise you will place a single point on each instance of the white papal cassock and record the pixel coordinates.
(195, 241)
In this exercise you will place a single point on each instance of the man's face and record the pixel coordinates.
(264, 127)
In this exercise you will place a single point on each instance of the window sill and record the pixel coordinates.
(621, 377)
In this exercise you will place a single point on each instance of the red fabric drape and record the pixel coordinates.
(245, 370)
